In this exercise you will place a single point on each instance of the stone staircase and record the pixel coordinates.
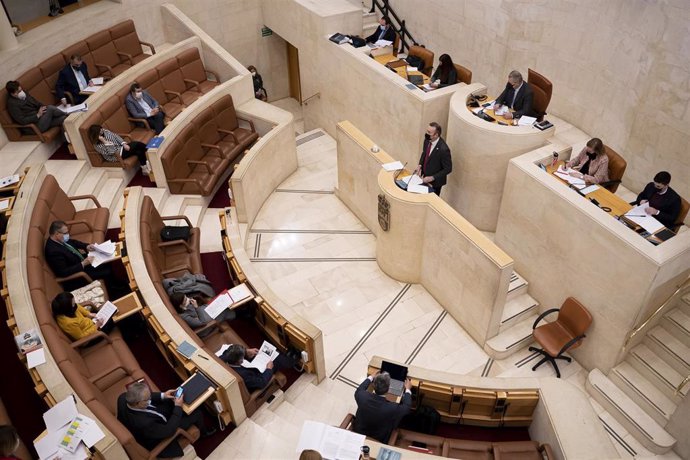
(640, 392)
(370, 21)
(519, 314)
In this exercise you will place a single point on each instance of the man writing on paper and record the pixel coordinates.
(383, 32)
(253, 378)
(377, 417)
(664, 202)
(435, 163)
(518, 96)
(73, 79)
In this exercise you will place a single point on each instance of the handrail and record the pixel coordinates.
(386, 10)
(681, 288)
(317, 95)
(680, 386)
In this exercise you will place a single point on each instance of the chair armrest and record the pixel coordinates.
(166, 244)
(180, 217)
(176, 94)
(211, 324)
(90, 338)
(215, 75)
(140, 120)
(195, 162)
(79, 222)
(212, 146)
(75, 276)
(194, 83)
(186, 181)
(570, 343)
(127, 56)
(96, 378)
(69, 97)
(106, 67)
(153, 50)
(251, 123)
(540, 317)
(86, 197)
(546, 449)
(31, 126)
(153, 454)
(229, 133)
(349, 419)
(177, 269)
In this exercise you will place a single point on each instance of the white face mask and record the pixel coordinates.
(21, 95)
(138, 94)
(65, 237)
(253, 74)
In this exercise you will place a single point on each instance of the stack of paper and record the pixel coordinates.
(102, 253)
(331, 442)
(228, 299)
(564, 173)
(381, 43)
(415, 184)
(639, 215)
(266, 354)
(97, 81)
(106, 311)
(91, 89)
(73, 108)
(526, 121)
(393, 166)
(501, 111)
(31, 345)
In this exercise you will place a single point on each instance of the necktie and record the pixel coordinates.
(428, 154)
(74, 251)
(515, 91)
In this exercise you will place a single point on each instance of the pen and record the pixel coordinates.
(202, 356)
(635, 215)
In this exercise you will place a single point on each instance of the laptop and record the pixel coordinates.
(415, 79)
(398, 375)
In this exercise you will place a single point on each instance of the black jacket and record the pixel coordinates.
(61, 260)
(149, 429)
(67, 82)
(389, 35)
(23, 112)
(451, 78)
(253, 379)
(668, 204)
(523, 100)
(377, 417)
(440, 163)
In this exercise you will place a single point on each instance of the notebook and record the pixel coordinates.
(195, 387)
(398, 375)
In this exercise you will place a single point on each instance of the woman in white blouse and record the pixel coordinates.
(110, 145)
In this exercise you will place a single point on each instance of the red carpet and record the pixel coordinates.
(62, 153)
(478, 433)
(140, 180)
(221, 199)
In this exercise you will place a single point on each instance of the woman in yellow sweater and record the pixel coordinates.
(74, 320)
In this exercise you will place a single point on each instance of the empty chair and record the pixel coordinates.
(194, 73)
(464, 74)
(564, 334)
(173, 83)
(228, 122)
(617, 165)
(404, 438)
(127, 43)
(208, 130)
(522, 450)
(471, 450)
(542, 88)
(426, 56)
(684, 207)
(50, 68)
(105, 55)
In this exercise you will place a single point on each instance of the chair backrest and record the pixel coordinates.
(171, 77)
(102, 48)
(617, 165)
(190, 65)
(224, 108)
(426, 55)
(396, 44)
(574, 317)
(543, 88)
(464, 74)
(125, 38)
(684, 207)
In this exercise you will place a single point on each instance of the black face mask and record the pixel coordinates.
(427, 137)
(591, 156)
(75, 67)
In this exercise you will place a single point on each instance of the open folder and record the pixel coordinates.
(415, 184)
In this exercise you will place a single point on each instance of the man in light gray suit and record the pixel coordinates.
(140, 104)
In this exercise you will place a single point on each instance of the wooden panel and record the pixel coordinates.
(521, 404)
(272, 323)
(438, 396)
(478, 404)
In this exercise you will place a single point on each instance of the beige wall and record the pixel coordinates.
(620, 68)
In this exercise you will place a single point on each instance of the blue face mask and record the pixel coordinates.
(65, 237)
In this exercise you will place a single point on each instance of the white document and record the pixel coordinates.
(60, 414)
(393, 166)
(91, 89)
(526, 121)
(220, 303)
(501, 111)
(35, 358)
(4, 204)
(106, 247)
(239, 293)
(411, 69)
(47, 446)
(89, 431)
(644, 220)
(381, 43)
(104, 252)
(223, 347)
(9, 180)
(266, 354)
(590, 189)
(564, 174)
(333, 443)
(73, 108)
(62, 454)
(106, 311)
(421, 189)
(97, 81)
(427, 87)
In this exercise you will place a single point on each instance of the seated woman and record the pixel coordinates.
(592, 163)
(195, 315)
(110, 145)
(445, 74)
(74, 320)
(259, 91)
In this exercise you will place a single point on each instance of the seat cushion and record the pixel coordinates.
(519, 450)
(552, 337)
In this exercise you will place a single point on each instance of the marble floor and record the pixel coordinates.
(319, 258)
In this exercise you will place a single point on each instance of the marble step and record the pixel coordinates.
(90, 184)
(158, 195)
(511, 340)
(210, 231)
(672, 350)
(303, 383)
(643, 392)
(251, 440)
(194, 212)
(684, 304)
(110, 193)
(68, 173)
(656, 370)
(677, 322)
(518, 286)
(624, 410)
(275, 424)
(115, 221)
(173, 206)
(293, 414)
(322, 406)
(517, 309)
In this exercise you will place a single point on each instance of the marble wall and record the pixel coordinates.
(620, 68)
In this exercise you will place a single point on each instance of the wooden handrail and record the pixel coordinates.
(680, 386)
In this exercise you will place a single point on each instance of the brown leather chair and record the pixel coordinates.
(396, 44)
(522, 450)
(193, 72)
(464, 74)
(404, 439)
(127, 43)
(564, 334)
(617, 165)
(347, 422)
(543, 88)
(426, 56)
(469, 450)
(684, 207)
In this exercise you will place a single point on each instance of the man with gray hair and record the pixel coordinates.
(253, 378)
(377, 417)
(153, 417)
(517, 96)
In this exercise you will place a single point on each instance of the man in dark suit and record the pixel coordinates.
(67, 256)
(383, 32)
(664, 202)
(26, 110)
(377, 417)
(140, 104)
(253, 378)
(435, 163)
(518, 96)
(153, 417)
(72, 79)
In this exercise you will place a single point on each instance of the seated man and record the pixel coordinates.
(518, 96)
(383, 32)
(73, 78)
(66, 257)
(253, 379)
(140, 104)
(25, 110)
(377, 417)
(153, 417)
(664, 202)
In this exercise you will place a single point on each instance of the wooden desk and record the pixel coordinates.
(127, 306)
(500, 119)
(400, 67)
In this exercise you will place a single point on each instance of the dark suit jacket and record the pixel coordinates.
(523, 101)
(23, 112)
(61, 260)
(149, 429)
(389, 35)
(67, 82)
(377, 417)
(253, 379)
(668, 204)
(134, 108)
(451, 78)
(440, 163)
